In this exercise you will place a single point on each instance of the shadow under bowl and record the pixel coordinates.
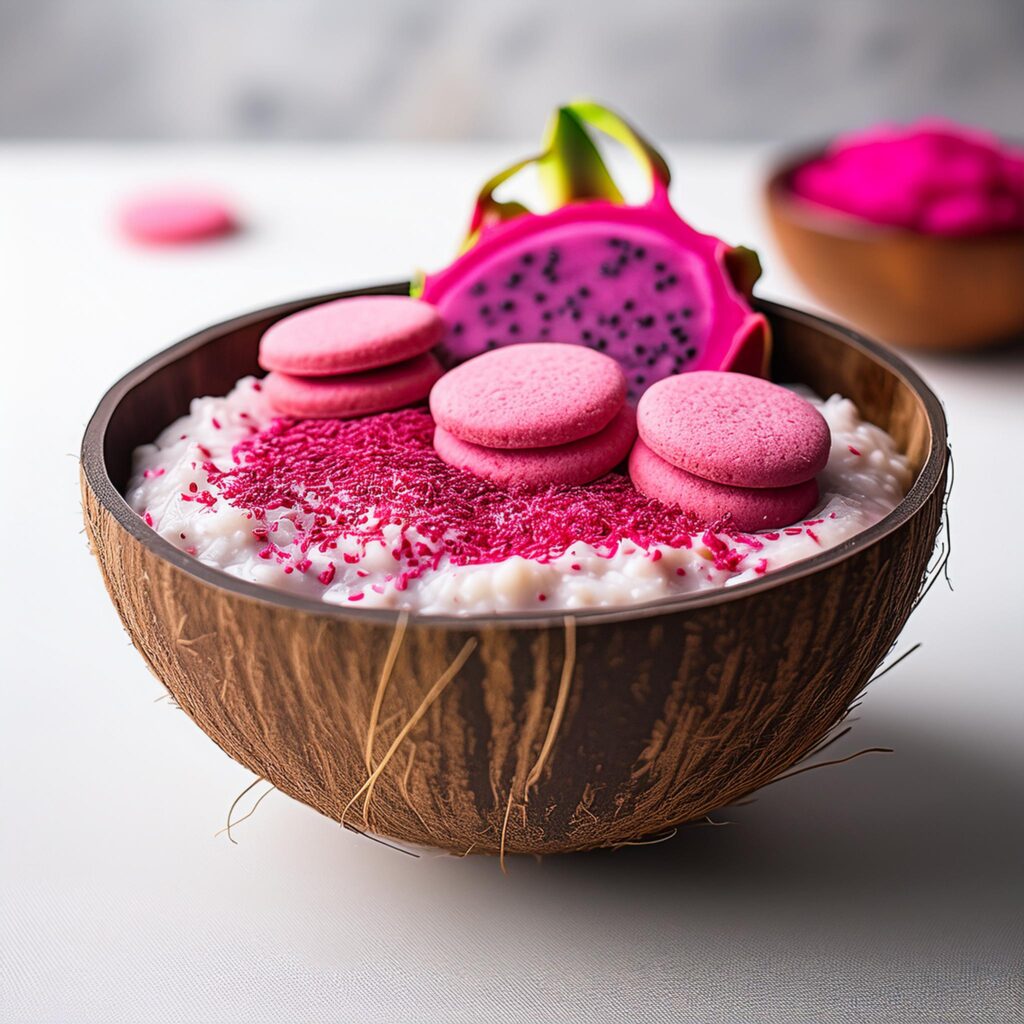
(559, 732)
(904, 287)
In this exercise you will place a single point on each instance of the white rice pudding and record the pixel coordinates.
(172, 489)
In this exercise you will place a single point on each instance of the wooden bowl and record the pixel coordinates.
(906, 288)
(557, 732)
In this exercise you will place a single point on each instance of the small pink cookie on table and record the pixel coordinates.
(575, 463)
(350, 335)
(733, 429)
(353, 394)
(176, 219)
(532, 395)
(746, 508)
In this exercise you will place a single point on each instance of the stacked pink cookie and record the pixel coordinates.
(534, 414)
(352, 357)
(728, 445)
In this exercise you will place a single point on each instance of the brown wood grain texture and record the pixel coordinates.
(656, 717)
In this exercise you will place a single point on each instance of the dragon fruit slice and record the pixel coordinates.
(636, 282)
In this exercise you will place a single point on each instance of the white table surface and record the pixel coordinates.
(885, 889)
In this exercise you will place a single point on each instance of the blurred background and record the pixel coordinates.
(466, 69)
(885, 889)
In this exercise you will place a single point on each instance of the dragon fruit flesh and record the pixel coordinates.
(635, 282)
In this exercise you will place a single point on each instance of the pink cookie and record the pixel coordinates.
(734, 429)
(353, 394)
(578, 462)
(748, 508)
(529, 396)
(176, 219)
(348, 335)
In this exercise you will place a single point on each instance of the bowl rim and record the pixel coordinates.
(825, 220)
(94, 469)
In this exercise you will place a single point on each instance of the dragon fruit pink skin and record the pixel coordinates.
(635, 282)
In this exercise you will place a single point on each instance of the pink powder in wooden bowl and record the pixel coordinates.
(932, 177)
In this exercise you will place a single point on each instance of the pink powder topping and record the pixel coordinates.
(344, 481)
(725, 557)
(933, 177)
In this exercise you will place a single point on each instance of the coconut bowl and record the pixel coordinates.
(532, 732)
(906, 288)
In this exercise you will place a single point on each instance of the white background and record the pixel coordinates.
(886, 888)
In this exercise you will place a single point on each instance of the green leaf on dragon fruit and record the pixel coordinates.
(743, 267)
(617, 127)
(570, 167)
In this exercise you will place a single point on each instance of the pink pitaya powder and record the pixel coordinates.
(933, 177)
(329, 473)
(363, 513)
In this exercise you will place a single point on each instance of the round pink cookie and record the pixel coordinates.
(748, 508)
(529, 396)
(347, 335)
(578, 462)
(176, 219)
(734, 429)
(353, 394)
